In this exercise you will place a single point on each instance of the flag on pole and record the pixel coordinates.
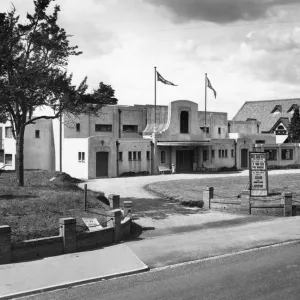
(210, 86)
(160, 78)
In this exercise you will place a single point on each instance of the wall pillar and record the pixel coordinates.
(117, 216)
(286, 200)
(208, 194)
(114, 201)
(245, 202)
(5, 244)
(68, 232)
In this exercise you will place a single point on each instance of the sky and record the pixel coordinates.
(250, 49)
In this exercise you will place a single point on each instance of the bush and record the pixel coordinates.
(295, 166)
(131, 174)
(228, 169)
(192, 203)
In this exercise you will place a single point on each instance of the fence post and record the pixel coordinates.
(117, 215)
(85, 197)
(208, 194)
(68, 232)
(287, 199)
(114, 201)
(5, 244)
(245, 202)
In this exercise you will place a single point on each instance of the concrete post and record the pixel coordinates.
(5, 244)
(208, 194)
(245, 202)
(114, 201)
(286, 199)
(68, 232)
(117, 215)
(127, 207)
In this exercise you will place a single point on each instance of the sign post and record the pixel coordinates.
(258, 174)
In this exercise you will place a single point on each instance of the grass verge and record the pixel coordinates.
(34, 210)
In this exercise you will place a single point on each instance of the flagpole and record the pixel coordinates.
(205, 101)
(154, 96)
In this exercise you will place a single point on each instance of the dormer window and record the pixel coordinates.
(280, 130)
(292, 108)
(277, 109)
(184, 122)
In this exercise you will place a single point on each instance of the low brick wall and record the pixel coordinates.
(226, 205)
(68, 241)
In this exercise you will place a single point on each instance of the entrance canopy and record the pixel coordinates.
(184, 143)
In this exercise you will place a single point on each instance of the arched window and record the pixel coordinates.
(184, 122)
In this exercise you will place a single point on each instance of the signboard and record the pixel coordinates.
(92, 224)
(258, 174)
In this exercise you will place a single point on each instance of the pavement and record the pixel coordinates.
(213, 234)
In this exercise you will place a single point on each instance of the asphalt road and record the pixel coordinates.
(272, 273)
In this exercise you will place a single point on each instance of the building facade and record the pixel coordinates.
(142, 138)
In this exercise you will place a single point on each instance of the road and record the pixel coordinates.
(271, 273)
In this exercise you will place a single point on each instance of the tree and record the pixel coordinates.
(294, 127)
(33, 73)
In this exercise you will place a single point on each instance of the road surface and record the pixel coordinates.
(262, 274)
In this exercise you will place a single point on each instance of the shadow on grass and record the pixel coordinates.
(11, 196)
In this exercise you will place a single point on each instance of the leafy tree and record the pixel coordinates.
(33, 73)
(294, 128)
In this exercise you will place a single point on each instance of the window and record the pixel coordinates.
(271, 154)
(8, 132)
(37, 134)
(103, 127)
(163, 157)
(81, 156)
(184, 122)
(219, 130)
(134, 155)
(277, 109)
(226, 153)
(286, 154)
(129, 155)
(292, 108)
(77, 127)
(213, 153)
(205, 129)
(257, 128)
(220, 153)
(130, 128)
(139, 155)
(1, 156)
(8, 159)
(120, 156)
(229, 128)
(205, 155)
(148, 155)
(232, 153)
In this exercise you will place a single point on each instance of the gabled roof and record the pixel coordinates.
(262, 111)
(284, 121)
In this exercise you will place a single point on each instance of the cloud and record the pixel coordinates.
(219, 11)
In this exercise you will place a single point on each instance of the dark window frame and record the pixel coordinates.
(184, 122)
(77, 127)
(130, 155)
(37, 134)
(120, 157)
(139, 155)
(284, 153)
(101, 127)
(148, 155)
(130, 128)
(5, 159)
(219, 130)
(133, 155)
(163, 156)
(271, 154)
(8, 132)
(213, 153)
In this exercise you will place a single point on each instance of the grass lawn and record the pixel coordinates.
(192, 189)
(34, 210)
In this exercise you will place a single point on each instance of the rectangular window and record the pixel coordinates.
(134, 155)
(220, 153)
(213, 153)
(260, 142)
(129, 155)
(103, 127)
(81, 156)
(287, 154)
(8, 159)
(37, 134)
(130, 128)
(8, 132)
(219, 130)
(204, 129)
(232, 153)
(205, 155)
(184, 122)
(226, 153)
(139, 155)
(223, 152)
(1, 156)
(271, 154)
(148, 155)
(120, 156)
(77, 127)
(163, 157)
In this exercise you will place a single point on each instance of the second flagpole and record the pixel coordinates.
(205, 101)
(154, 96)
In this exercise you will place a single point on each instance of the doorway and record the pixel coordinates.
(101, 164)
(184, 160)
(244, 158)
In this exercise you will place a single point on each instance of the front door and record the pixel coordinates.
(101, 164)
(184, 160)
(244, 158)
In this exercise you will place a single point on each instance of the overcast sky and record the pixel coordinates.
(249, 48)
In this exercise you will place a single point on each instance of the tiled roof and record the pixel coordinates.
(262, 111)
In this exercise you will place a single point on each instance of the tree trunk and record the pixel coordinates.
(20, 157)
